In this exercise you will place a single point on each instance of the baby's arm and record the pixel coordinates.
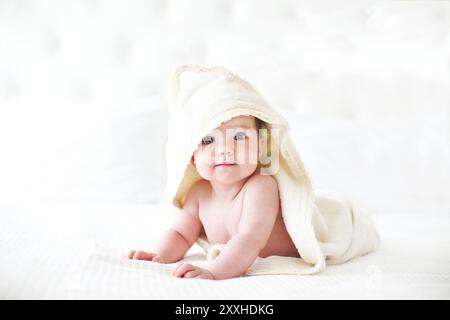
(260, 208)
(176, 241)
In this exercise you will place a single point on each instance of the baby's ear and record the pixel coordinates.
(186, 79)
(174, 86)
(193, 160)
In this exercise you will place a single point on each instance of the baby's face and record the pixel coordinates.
(230, 152)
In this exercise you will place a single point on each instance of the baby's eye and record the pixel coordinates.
(207, 140)
(240, 136)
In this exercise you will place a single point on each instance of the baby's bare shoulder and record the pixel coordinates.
(260, 206)
(262, 186)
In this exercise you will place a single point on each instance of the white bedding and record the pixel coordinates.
(76, 252)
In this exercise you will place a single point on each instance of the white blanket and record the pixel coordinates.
(322, 228)
(45, 254)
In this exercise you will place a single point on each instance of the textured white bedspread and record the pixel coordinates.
(76, 252)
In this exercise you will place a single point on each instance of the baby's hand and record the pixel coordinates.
(186, 270)
(142, 255)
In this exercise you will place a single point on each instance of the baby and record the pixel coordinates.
(234, 204)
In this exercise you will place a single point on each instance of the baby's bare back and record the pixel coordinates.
(222, 219)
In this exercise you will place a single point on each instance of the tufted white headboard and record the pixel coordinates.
(365, 85)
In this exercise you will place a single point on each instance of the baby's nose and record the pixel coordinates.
(226, 150)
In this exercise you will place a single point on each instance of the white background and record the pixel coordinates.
(365, 86)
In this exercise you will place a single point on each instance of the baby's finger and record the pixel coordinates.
(142, 255)
(158, 259)
(130, 254)
(192, 274)
(205, 275)
(178, 266)
(182, 269)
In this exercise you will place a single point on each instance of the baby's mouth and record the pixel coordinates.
(225, 164)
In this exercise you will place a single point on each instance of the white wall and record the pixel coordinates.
(364, 84)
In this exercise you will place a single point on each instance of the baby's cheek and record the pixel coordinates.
(251, 154)
(203, 172)
(203, 168)
(206, 159)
